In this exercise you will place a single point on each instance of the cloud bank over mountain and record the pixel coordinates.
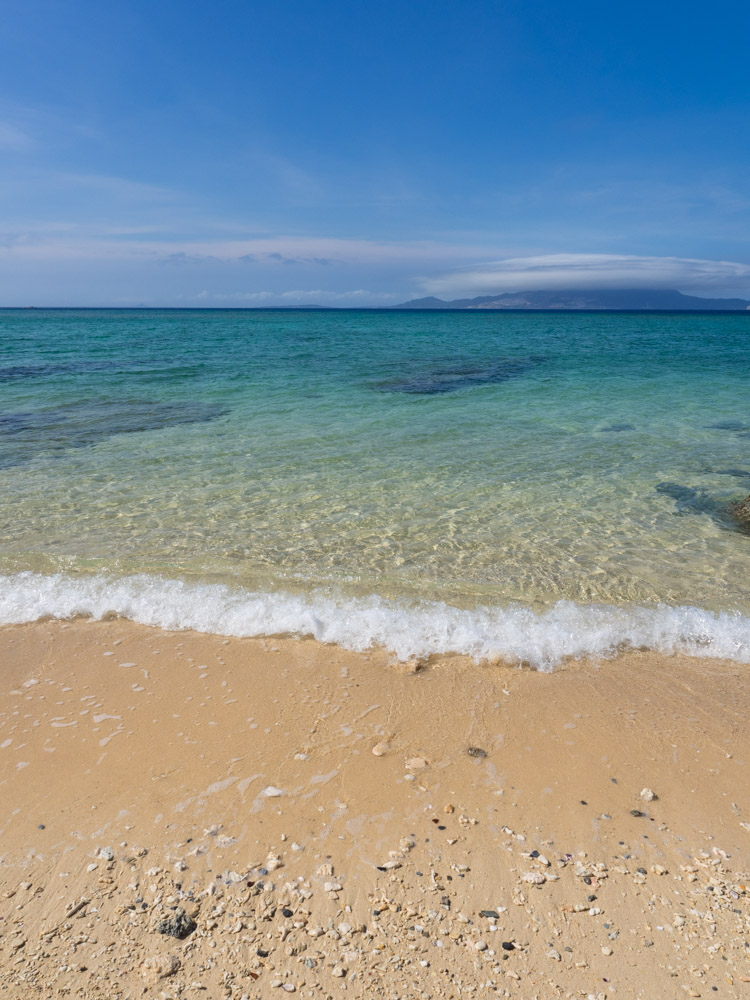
(588, 271)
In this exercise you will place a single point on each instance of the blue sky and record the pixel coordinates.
(357, 153)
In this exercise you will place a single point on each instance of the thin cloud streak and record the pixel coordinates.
(271, 250)
(12, 138)
(361, 296)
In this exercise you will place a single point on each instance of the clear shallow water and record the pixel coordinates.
(500, 461)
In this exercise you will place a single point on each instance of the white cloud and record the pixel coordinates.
(574, 270)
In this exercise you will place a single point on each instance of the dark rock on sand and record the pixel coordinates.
(179, 925)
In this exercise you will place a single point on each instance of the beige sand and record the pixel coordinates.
(139, 773)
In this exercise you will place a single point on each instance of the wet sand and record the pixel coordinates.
(157, 784)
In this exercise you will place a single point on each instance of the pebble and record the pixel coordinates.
(476, 752)
(416, 764)
(272, 792)
(380, 749)
(534, 878)
(105, 853)
(160, 967)
(338, 971)
(648, 795)
(480, 945)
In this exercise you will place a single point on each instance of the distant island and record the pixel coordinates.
(601, 298)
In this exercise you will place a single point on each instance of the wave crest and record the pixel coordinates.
(514, 633)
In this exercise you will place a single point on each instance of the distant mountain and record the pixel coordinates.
(599, 298)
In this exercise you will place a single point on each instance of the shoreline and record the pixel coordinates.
(168, 768)
(513, 633)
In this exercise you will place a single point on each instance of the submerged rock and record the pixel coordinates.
(741, 510)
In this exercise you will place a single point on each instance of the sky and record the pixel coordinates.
(351, 153)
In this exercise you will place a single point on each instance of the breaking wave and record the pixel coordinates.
(513, 633)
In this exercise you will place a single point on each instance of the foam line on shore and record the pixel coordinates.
(514, 633)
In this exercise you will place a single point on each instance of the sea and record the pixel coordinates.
(516, 486)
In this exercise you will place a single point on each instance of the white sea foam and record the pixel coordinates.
(513, 633)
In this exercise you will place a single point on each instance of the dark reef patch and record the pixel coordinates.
(17, 373)
(141, 368)
(728, 425)
(80, 425)
(617, 428)
(442, 380)
(736, 473)
(699, 501)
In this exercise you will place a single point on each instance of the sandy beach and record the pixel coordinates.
(190, 815)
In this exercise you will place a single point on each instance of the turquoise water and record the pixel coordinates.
(490, 461)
